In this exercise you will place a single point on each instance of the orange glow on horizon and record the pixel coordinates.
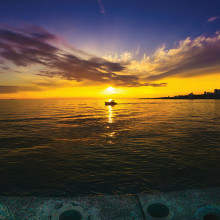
(175, 86)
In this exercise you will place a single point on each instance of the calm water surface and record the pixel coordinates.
(81, 147)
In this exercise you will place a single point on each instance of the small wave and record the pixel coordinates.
(25, 119)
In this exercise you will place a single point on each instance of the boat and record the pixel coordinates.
(111, 102)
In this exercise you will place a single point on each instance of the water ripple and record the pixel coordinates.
(78, 147)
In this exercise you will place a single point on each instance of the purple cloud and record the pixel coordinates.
(36, 46)
(192, 57)
(211, 19)
(102, 8)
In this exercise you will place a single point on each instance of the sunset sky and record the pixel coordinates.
(80, 48)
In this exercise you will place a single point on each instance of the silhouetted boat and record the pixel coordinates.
(111, 102)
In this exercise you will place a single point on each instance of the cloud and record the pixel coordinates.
(13, 89)
(26, 47)
(191, 57)
(54, 58)
(211, 19)
(102, 8)
(36, 46)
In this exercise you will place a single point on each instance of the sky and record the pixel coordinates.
(80, 48)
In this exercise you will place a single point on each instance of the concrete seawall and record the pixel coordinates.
(201, 204)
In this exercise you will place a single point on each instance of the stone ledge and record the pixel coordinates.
(202, 204)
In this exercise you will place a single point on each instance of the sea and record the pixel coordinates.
(75, 147)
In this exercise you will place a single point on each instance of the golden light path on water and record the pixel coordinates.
(110, 115)
(110, 121)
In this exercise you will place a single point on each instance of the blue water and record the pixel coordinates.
(80, 147)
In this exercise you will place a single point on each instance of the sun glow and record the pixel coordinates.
(111, 90)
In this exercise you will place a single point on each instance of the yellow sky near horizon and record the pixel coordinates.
(175, 86)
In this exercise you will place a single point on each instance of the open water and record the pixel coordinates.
(81, 147)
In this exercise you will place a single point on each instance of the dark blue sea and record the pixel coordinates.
(74, 147)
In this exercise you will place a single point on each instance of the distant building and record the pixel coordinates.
(217, 91)
(205, 95)
(190, 95)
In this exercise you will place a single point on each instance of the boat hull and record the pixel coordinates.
(110, 103)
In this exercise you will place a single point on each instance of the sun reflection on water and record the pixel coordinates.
(110, 114)
(112, 134)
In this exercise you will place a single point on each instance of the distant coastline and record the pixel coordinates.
(205, 95)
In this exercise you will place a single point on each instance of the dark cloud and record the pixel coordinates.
(26, 47)
(14, 89)
(35, 86)
(157, 84)
(34, 45)
(5, 68)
